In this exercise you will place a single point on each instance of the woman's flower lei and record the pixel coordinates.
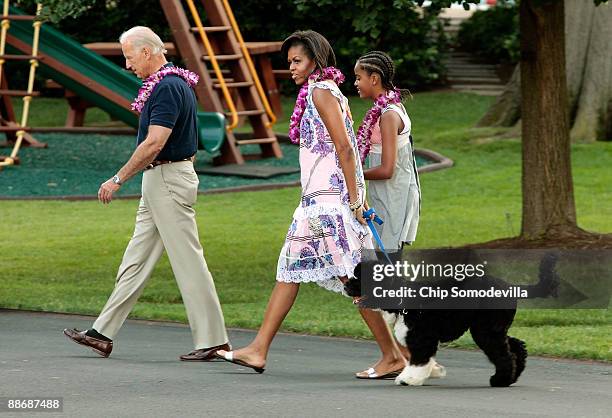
(328, 73)
(364, 133)
(153, 80)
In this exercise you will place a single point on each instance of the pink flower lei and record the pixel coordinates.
(364, 133)
(328, 73)
(153, 80)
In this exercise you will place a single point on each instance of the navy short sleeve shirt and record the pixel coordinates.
(172, 105)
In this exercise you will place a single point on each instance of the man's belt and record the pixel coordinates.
(155, 163)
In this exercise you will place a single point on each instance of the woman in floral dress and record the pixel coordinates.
(328, 233)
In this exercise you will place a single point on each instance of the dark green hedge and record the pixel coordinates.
(492, 34)
(353, 28)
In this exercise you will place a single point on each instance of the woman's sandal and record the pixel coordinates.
(229, 357)
(371, 374)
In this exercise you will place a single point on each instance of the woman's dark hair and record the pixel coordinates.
(381, 63)
(315, 45)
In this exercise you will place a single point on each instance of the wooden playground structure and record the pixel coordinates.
(16, 133)
(209, 43)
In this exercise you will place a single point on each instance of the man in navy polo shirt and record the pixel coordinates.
(167, 143)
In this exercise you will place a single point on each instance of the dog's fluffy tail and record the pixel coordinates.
(548, 283)
(518, 348)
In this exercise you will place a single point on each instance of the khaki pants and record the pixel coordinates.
(166, 219)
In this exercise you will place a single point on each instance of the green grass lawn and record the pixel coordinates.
(62, 256)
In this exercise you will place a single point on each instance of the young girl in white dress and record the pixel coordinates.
(384, 135)
(393, 187)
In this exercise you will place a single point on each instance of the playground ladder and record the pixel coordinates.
(228, 81)
(17, 131)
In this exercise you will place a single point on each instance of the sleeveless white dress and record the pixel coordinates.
(398, 199)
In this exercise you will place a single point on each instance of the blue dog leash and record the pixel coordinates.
(366, 216)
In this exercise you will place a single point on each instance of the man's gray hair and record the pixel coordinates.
(141, 37)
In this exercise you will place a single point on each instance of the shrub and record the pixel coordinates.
(492, 34)
(415, 41)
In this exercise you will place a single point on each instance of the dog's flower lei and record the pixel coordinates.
(328, 73)
(364, 133)
(153, 80)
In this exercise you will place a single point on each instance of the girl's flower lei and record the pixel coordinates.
(151, 82)
(328, 73)
(364, 133)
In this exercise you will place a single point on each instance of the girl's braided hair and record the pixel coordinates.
(381, 63)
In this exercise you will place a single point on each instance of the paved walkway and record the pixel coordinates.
(305, 376)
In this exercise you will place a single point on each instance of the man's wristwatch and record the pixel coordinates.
(117, 180)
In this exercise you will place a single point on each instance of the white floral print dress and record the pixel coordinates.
(324, 241)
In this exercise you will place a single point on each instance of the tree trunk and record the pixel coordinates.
(593, 105)
(578, 21)
(588, 47)
(506, 111)
(548, 198)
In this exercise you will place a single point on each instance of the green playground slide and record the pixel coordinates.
(96, 79)
(95, 70)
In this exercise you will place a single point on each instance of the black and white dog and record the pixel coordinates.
(422, 330)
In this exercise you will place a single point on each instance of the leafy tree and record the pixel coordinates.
(539, 92)
(56, 10)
